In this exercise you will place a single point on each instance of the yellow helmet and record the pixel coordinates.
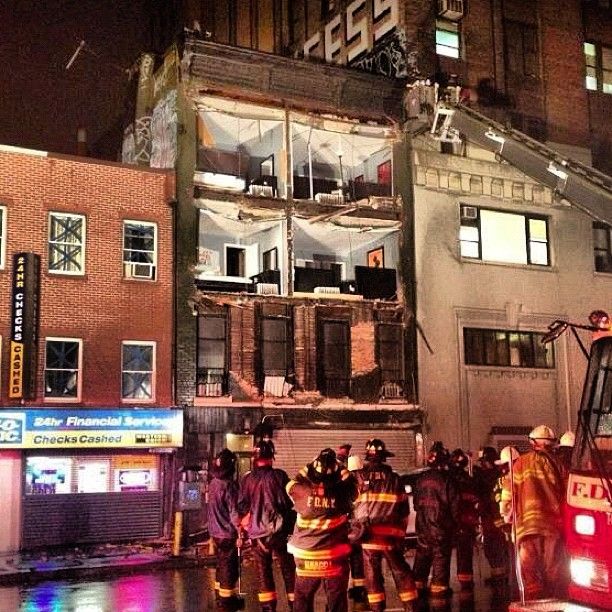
(542, 432)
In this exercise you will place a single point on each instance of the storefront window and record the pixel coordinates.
(91, 474)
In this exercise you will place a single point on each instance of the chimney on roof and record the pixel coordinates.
(82, 142)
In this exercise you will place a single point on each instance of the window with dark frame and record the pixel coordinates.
(503, 237)
(270, 259)
(334, 358)
(447, 38)
(390, 352)
(275, 345)
(598, 67)
(602, 247)
(502, 348)
(212, 361)
(62, 368)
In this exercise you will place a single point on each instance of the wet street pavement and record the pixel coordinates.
(187, 590)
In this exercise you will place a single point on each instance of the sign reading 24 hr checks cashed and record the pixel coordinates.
(83, 428)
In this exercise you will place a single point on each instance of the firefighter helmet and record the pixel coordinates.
(567, 439)
(376, 448)
(507, 453)
(225, 459)
(542, 432)
(264, 449)
(438, 456)
(459, 459)
(326, 462)
(489, 454)
(353, 463)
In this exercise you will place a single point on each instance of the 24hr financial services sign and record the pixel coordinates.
(91, 428)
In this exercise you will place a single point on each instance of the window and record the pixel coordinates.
(139, 250)
(602, 247)
(492, 235)
(270, 259)
(275, 344)
(2, 236)
(447, 38)
(598, 61)
(522, 49)
(63, 369)
(235, 260)
(390, 352)
(494, 347)
(334, 358)
(137, 371)
(212, 355)
(66, 243)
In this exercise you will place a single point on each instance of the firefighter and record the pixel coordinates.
(268, 517)
(223, 526)
(436, 502)
(486, 476)
(323, 493)
(357, 591)
(465, 535)
(382, 507)
(537, 493)
(563, 453)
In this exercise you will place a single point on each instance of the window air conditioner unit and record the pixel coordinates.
(332, 199)
(327, 289)
(451, 9)
(469, 213)
(138, 270)
(266, 289)
(263, 191)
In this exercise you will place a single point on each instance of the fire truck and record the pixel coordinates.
(588, 518)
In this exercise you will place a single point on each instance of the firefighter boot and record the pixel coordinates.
(359, 595)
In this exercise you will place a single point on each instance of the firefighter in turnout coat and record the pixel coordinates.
(268, 517)
(436, 502)
(537, 492)
(223, 526)
(465, 535)
(382, 508)
(487, 475)
(323, 493)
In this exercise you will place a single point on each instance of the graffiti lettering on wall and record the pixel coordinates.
(163, 132)
(349, 34)
(391, 58)
(166, 77)
(142, 141)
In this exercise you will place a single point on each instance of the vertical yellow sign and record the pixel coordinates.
(16, 370)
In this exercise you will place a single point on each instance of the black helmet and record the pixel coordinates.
(376, 449)
(459, 460)
(489, 454)
(225, 459)
(438, 456)
(326, 462)
(264, 449)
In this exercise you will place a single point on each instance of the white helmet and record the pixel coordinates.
(507, 453)
(567, 439)
(353, 463)
(542, 432)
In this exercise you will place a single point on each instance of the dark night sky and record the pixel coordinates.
(42, 104)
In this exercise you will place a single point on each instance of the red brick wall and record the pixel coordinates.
(101, 307)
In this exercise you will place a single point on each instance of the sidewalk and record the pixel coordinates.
(96, 561)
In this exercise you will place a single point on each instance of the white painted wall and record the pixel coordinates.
(464, 402)
(10, 501)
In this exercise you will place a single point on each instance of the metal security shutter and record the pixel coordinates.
(297, 447)
(50, 520)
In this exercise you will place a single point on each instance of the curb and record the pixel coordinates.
(105, 567)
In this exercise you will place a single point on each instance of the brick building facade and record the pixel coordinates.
(97, 242)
